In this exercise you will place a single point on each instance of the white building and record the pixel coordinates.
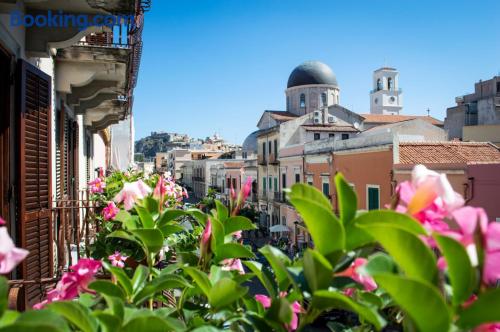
(386, 96)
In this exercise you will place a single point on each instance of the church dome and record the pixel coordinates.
(250, 143)
(312, 73)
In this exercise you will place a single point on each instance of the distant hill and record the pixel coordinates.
(157, 142)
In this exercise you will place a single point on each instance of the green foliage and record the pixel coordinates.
(205, 289)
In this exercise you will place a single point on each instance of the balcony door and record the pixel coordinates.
(5, 132)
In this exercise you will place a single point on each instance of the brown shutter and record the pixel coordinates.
(34, 201)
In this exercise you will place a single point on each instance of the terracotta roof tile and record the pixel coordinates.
(233, 164)
(387, 118)
(448, 153)
(282, 115)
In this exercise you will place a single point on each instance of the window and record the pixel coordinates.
(264, 149)
(302, 101)
(389, 84)
(310, 180)
(270, 146)
(372, 196)
(270, 183)
(264, 184)
(317, 136)
(331, 135)
(323, 99)
(326, 188)
(234, 183)
(498, 88)
(379, 85)
(297, 177)
(345, 136)
(276, 184)
(276, 148)
(283, 180)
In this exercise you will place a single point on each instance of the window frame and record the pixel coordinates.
(318, 135)
(368, 187)
(302, 100)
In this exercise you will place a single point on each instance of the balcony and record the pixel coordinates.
(261, 159)
(273, 159)
(198, 178)
(280, 197)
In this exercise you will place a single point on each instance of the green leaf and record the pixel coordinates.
(151, 205)
(200, 278)
(238, 223)
(379, 263)
(233, 250)
(217, 233)
(146, 218)
(151, 239)
(168, 230)
(317, 269)
(4, 295)
(198, 215)
(483, 310)
(170, 215)
(107, 288)
(347, 200)
(462, 275)
(326, 230)
(357, 237)
(408, 250)
(278, 261)
(222, 212)
(147, 323)
(224, 292)
(167, 281)
(37, 320)
(109, 322)
(307, 192)
(263, 275)
(280, 310)
(123, 216)
(76, 314)
(8, 317)
(324, 300)
(115, 306)
(139, 278)
(421, 301)
(121, 277)
(123, 235)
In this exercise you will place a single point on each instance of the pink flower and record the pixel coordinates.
(233, 265)
(97, 186)
(2, 222)
(131, 193)
(245, 191)
(117, 259)
(73, 282)
(205, 239)
(429, 198)
(295, 306)
(110, 211)
(10, 255)
(361, 278)
(491, 270)
(160, 189)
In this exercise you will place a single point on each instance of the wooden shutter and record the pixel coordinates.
(34, 162)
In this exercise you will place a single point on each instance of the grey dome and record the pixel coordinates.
(312, 72)
(250, 143)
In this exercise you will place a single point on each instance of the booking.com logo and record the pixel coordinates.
(59, 19)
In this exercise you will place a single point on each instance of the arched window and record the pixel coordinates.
(323, 99)
(379, 85)
(389, 84)
(302, 101)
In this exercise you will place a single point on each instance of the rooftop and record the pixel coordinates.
(448, 153)
(329, 128)
(282, 115)
(388, 118)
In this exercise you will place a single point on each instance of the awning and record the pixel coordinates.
(278, 228)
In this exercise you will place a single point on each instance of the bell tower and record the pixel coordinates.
(386, 96)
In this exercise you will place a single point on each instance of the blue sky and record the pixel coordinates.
(214, 65)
